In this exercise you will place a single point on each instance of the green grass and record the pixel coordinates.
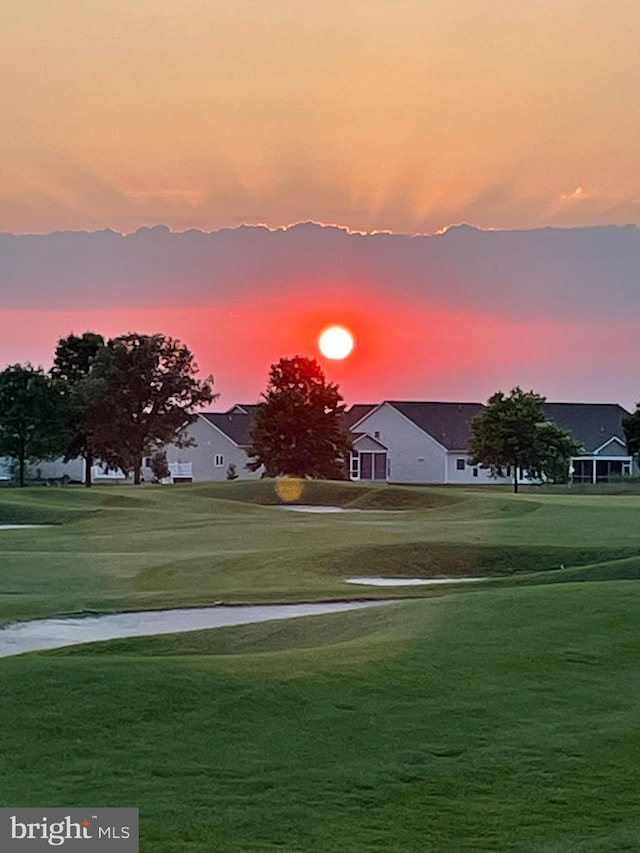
(500, 718)
(497, 721)
(121, 548)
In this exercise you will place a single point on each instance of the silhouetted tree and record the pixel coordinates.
(33, 417)
(298, 429)
(73, 369)
(514, 432)
(150, 394)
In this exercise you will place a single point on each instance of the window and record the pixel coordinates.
(460, 464)
(475, 472)
(219, 460)
(376, 433)
(147, 462)
(355, 466)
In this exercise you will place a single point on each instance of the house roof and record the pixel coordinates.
(359, 436)
(356, 412)
(234, 424)
(242, 409)
(448, 423)
(593, 424)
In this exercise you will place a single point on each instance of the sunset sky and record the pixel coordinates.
(407, 116)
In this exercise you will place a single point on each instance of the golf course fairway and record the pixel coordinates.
(500, 716)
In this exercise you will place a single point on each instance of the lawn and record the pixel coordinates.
(493, 719)
(120, 548)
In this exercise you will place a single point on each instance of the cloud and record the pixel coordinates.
(544, 273)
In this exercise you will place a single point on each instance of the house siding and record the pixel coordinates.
(414, 457)
(210, 442)
(465, 476)
(613, 448)
(55, 469)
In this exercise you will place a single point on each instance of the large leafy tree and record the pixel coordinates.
(298, 428)
(631, 426)
(513, 432)
(149, 394)
(73, 369)
(33, 417)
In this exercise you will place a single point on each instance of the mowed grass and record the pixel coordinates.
(122, 548)
(504, 720)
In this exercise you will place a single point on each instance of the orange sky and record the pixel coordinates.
(404, 116)
(407, 115)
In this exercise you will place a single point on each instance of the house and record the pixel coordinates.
(598, 426)
(393, 441)
(427, 442)
(424, 442)
(220, 439)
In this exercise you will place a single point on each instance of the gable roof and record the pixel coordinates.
(448, 423)
(242, 409)
(236, 422)
(593, 424)
(235, 425)
(356, 412)
(360, 436)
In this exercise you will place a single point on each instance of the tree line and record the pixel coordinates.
(113, 400)
(125, 398)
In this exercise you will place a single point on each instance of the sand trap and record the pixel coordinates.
(373, 581)
(40, 634)
(309, 508)
(22, 526)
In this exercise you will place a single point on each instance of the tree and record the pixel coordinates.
(150, 393)
(33, 419)
(160, 466)
(631, 427)
(513, 432)
(298, 428)
(73, 368)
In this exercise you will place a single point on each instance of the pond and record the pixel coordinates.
(41, 634)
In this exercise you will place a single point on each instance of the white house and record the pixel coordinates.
(427, 442)
(598, 426)
(393, 441)
(221, 439)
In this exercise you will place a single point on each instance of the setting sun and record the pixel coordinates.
(336, 342)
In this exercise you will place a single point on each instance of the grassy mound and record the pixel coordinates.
(272, 492)
(609, 570)
(505, 721)
(18, 512)
(287, 634)
(428, 559)
(398, 498)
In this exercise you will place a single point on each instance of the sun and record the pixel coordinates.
(336, 342)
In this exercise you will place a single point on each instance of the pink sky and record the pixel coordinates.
(404, 117)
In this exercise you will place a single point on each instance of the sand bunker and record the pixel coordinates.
(41, 634)
(375, 581)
